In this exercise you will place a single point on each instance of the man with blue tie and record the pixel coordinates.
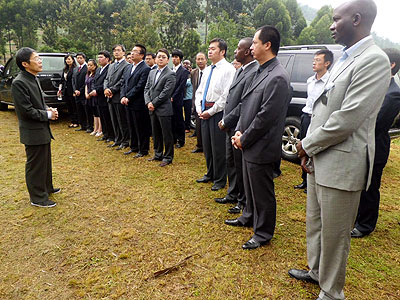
(210, 102)
(132, 96)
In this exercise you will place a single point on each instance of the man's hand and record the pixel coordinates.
(222, 126)
(172, 99)
(108, 93)
(304, 166)
(300, 151)
(77, 93)
(236, 140)
(204, 115)
(124, 101)
(150, 106)
(54, 113)
(93, 93)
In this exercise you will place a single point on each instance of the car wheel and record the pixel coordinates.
(290, 137)
(3, 106)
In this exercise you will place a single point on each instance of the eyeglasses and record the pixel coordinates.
(37, 59)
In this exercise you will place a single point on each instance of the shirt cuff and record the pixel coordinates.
(49, 114)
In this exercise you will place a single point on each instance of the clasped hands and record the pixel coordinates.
(54, 113)
(236, 140)
(303, 157)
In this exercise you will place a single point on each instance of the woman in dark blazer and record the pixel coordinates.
(66, 91)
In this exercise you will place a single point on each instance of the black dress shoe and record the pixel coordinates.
(121, 147)
(197, 150)
(80, 129)
(177, 146)
(235, 210)
(235, 222)
(89, 130)
(302, 275)
(204, 179)
(55, 191)
(113, 145)
(129, 152)
(102, 139)
(252, 244)
(139, 155)
(193, 134)
(154, 158)
(165, 163)
(305, 191)
(217, 187)
(224, 200)
(355, 233)
(301, 186)
(109, 140)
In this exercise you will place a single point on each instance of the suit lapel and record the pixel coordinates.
(161, 75)
(256, 80)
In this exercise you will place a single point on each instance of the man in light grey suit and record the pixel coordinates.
(112, 88)
(157, 96)
(249, 65)
(338, 151)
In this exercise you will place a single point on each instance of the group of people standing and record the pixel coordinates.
(240, 117)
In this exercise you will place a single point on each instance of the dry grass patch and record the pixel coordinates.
(120, 220)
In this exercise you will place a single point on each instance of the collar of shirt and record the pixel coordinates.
(121, 60)
(220, 63)
(353, 48)
(265, 65)
(249, 64)
(176, 68)
(324, 77)
(158, 69)
(81, 66)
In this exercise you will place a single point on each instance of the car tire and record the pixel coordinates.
(290, 137)
(3, 106)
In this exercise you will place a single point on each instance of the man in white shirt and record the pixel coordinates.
(210, 102)
(323, 59)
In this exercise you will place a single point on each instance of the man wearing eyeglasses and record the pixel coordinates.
(33, 116)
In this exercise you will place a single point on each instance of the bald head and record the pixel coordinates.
(352, 21)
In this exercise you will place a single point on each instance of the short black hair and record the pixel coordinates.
(105, 53)
(81, 54)
(163, 50)
(152, 55)
(328, 56)
(23, 55)
(394, 57)
(177, 52)
(119, 45)
(142, 49)
(270, 34)
(222, 45)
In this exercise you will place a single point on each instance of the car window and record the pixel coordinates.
(302, 67)
(52, 63)
(11, 68)
(283, 58)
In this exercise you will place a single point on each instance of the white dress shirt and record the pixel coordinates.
(218, 89)
(175, 68)
(158, 73)
(314, 90)
(134, 66)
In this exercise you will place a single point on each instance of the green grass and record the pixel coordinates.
(120, 220)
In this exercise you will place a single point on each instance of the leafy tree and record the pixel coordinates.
(232, 8)
(274, 12)
(296, 16)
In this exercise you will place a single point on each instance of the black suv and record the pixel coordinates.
(53, 64)
(298, 62)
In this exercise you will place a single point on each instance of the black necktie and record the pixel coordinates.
(201, 74)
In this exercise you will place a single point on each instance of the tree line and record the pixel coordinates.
(92, 25)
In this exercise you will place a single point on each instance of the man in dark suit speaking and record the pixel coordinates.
(259, 135)
(33, 117)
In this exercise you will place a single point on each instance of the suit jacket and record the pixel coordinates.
(263, 112)
(340, 138)
(232, 109)
(98, 85)
(195, 82)
(78, 81)
(31, 110)
(133, 85)
(114, 79)
(388, 112)
(159, 93)
(179, 91)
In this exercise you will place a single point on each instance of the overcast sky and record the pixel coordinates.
(386, 23)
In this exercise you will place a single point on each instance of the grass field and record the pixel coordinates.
(119, 220)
